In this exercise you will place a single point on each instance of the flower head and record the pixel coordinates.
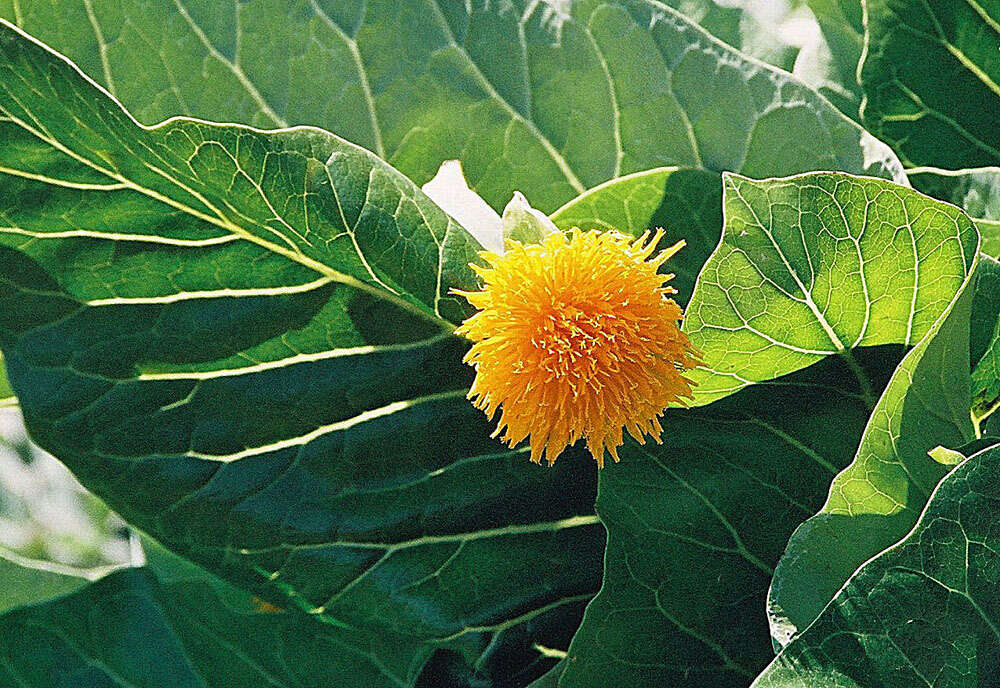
(576, 337)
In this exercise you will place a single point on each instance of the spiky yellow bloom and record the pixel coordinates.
(576, 337)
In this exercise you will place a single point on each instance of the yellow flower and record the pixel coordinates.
(576, 337)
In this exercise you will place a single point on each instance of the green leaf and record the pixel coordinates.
(697, 524)
(704, 506)
(924, 612)
(507, 658)
(819, 264)
(931, 80)
(540, 97)
(241, 341)
(685, 203)
(26, 581)
(976, 191)
(130, 628)
(877, 499)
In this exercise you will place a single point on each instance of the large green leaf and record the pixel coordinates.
(820, 264)
(241, 341)
(931, 80)
(131, 629)
(508, 658)
(274, 646)
(878, 498)
(548, 98)
(697, 524)
(924, 613)
(705, 506)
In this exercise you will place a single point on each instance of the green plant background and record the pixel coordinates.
(240, 341)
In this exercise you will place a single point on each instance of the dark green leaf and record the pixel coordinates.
(542, 97)
(130, 629)
(924, 613)
(241, 341)
(931, 80)
(512, 658)
(697, 525)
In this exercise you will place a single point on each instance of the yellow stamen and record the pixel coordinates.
(576, 337)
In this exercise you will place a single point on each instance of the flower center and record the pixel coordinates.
(580, 346)
(575, 337)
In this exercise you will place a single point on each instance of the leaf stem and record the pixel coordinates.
(865, 383)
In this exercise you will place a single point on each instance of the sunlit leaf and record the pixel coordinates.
(819, 264)
(922, 613)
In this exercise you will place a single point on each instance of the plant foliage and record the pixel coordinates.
(228, 307)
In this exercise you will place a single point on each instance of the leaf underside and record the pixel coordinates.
(545, 98)
(240, 341)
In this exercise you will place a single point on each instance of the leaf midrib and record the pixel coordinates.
(225, 223)
(487, 86)
(352, 45)
(806, 293)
